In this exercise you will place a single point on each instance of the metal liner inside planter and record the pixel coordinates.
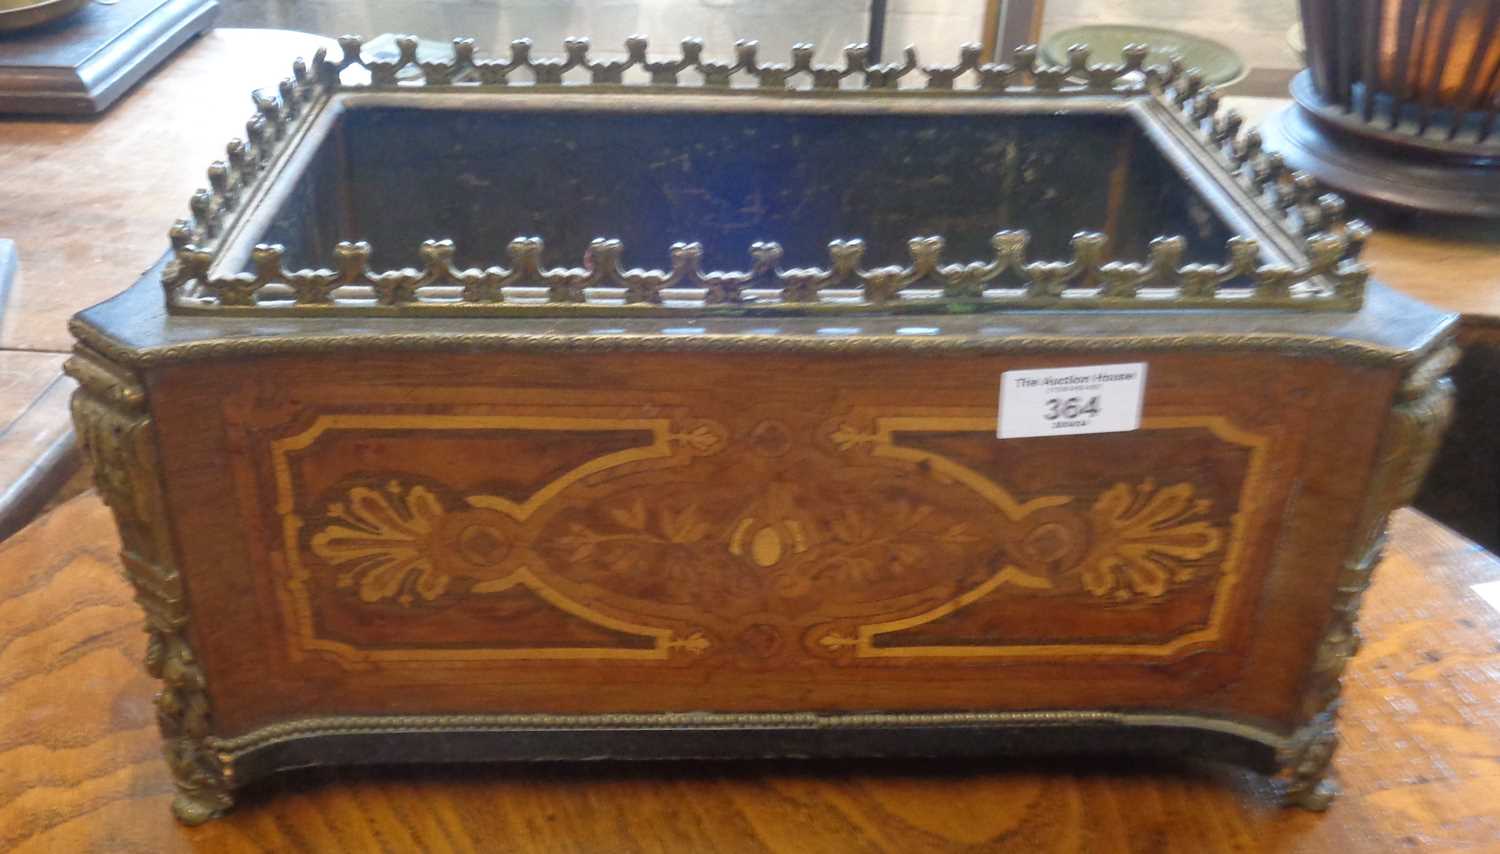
(1046, 183)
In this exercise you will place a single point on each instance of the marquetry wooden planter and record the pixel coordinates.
(380, 506)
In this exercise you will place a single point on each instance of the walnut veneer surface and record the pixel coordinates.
(80, 767)
(819, 533)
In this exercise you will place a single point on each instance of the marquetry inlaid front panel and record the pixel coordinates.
(725, 533)
(774, 540)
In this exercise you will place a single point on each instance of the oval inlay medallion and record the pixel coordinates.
(766, 547)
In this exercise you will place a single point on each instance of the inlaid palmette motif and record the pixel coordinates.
(1151, 534)
(382, 540)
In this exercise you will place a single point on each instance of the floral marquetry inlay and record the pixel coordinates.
(850, 542)
(1148, 537)
(383, 543)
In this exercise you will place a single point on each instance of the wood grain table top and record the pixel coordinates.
(80, 768)
(1450, 264)
(87, 203)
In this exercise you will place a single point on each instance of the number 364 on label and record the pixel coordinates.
(1070, 401)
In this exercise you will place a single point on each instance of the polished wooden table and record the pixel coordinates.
(88, 202)
(80, 768)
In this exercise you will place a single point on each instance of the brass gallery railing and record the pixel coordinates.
(1329, 275)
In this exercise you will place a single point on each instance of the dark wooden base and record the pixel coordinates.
(85, 62)
(375, 741)
(1411, 177)
(385, 741)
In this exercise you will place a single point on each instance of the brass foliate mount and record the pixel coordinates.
(1330, 277)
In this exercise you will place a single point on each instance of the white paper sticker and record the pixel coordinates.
(1489, 591)
(1069, 401)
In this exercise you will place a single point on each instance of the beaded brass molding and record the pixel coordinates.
(1328, 276)
(1351, 351)
(115, 430)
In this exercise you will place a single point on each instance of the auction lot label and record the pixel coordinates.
(1070, 401)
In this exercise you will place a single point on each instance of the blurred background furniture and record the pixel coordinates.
(24, 14)
(1006, 25)
(934, 27)
(1400, 103)
(1219, 64)
(73, 194)
(37, 452)
(82, 61)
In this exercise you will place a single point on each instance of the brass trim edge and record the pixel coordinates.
(438, 340)
(235, 748)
